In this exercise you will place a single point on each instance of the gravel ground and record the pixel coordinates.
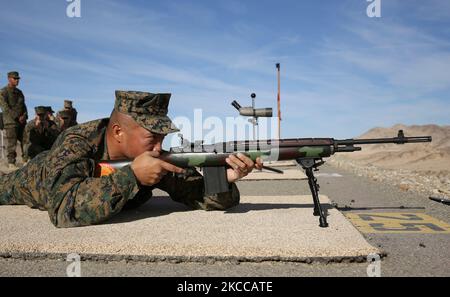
(423, 182)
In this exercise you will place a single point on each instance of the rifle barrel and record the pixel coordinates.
(398, 140)
(295, 142)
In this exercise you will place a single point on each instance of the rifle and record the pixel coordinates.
(307, 152)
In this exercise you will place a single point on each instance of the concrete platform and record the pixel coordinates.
(280, 228)
(289, 174)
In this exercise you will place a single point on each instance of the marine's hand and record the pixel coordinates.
(22, 119)
(41, 123)
(37, 121)
(149, 170)
(241, 166)
(62, 122)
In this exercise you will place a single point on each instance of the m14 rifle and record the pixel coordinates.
(307, 152)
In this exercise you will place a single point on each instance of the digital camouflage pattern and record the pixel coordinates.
(64, 119)
(64, 114)
(68, 107)
(40, 138)
(147, 109)
(14, 74)
(40, 110)
(63, 182)
(73, 117)
(12, 103)
(49, 109)
(68, 104)
(13, 135)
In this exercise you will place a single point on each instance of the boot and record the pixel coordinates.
(12, 166)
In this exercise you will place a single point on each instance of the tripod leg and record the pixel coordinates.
(317, 207)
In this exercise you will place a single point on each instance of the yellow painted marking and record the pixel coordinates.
(396, 222)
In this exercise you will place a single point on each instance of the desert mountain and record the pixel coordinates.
(434, 156)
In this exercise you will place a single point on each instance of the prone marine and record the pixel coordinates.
(63, 180)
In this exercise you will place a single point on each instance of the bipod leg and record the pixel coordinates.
(309, 165)
(312, 181)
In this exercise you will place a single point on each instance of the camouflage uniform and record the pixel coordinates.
(50, 113)
(67, 117)
(73, 112)
(12, 102)
(64, 182)
(39, 139)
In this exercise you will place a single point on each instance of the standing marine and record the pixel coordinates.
(68, 106)
(64, 120)
(12, 103)
(64, 181)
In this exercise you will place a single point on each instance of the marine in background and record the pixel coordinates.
(40, 133)
(64, 120)
(50, 113)
(15, 115)
(68, 106)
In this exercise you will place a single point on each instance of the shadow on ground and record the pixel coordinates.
(163, 205)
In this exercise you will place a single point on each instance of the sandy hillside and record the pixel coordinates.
(434, 156)
(422, 167)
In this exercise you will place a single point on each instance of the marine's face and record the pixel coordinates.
(14, 82)
(63, 121)
(139, 140)
(41, 117)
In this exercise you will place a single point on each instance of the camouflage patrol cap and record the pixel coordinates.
(49, 109)
(64, 114)
(40, 110)
(13, 74)
(147, 109)
(67, 104)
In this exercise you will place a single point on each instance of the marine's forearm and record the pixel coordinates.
(77, 201)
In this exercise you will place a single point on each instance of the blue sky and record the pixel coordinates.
(342, 72)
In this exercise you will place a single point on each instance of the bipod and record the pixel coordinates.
(310, 165)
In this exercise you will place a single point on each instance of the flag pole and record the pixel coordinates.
(278, 102)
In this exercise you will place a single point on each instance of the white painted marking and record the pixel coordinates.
(328, 175)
